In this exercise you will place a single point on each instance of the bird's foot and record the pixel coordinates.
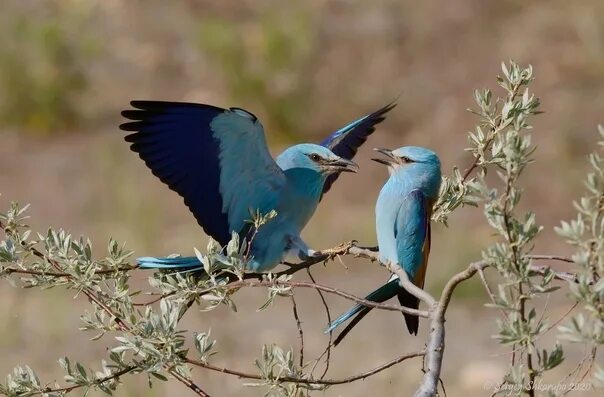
(309, 254)
(341, 249)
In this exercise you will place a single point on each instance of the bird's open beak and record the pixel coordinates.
(342, 165)
(389, 161)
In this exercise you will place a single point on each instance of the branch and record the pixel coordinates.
(327, 350)
(189, 383)
(121, 324)
(67, 389)
(501, 125)
(436, 339)
(323, 256)
(309, 381)
(436, 343)
(11, 270)
(300, 331)
(436, 312)
(331, 290)
(409, 286)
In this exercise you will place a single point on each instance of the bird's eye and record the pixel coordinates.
(315, 157)
(406, 159)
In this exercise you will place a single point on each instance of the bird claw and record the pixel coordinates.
(308, 254)
(340, 249)
(314, 254)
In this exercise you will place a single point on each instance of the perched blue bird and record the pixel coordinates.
(218, 161)
(403, 212)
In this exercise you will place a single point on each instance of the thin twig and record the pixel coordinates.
(289, 379)
(442, 384)
(592, 359)
(320, 257)
(500, 126)
(551, 258)
(97, 382)
(300, 331)
(575, 372)
(324, 288)
(152, 301)
(367, 253)
(487, 288)
(554, 324)
(349, 248)
(587, 357)
(189, 383)
(11, 270)
(327, 350)
(545, 307)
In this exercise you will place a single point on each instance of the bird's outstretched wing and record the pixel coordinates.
(412, 233)
(345, 141)
(216, 159)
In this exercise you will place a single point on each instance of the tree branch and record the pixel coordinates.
(495, 129)
(300, 331)
(121, 324)
(320, 287)
(436, 312)
(67, 389)
(288, 379)
(349, 248)
(327, 350)
(11, 270)
(436, 338)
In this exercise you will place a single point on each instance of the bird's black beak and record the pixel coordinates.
(389, 161)
(342, 165)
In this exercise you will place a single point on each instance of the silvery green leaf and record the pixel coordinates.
(233, 245)
(213, 247)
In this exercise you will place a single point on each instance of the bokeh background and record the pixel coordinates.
(305, 69)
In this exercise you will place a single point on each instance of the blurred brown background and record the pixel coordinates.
(305, 69)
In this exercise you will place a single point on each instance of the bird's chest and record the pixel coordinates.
(387, 207)
(386, 214)
(300, 200)
(272, 240)
(300, 209)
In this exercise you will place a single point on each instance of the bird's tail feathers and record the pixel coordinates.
(382, 294)
(175, 263)
(408, 300)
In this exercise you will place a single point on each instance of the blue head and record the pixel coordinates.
(414, 165)
(314, 157)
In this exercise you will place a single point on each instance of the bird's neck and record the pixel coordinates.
(302, 195)
(305, 182)
(419, 177)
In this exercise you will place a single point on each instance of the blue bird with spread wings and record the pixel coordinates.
(218, 161)
(403, 211)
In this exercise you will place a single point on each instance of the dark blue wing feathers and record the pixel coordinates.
(174, 139)
(346, 141)
(410, 231)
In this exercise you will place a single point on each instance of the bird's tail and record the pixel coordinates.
(408, 300)
(187, 263)
(385, 292)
